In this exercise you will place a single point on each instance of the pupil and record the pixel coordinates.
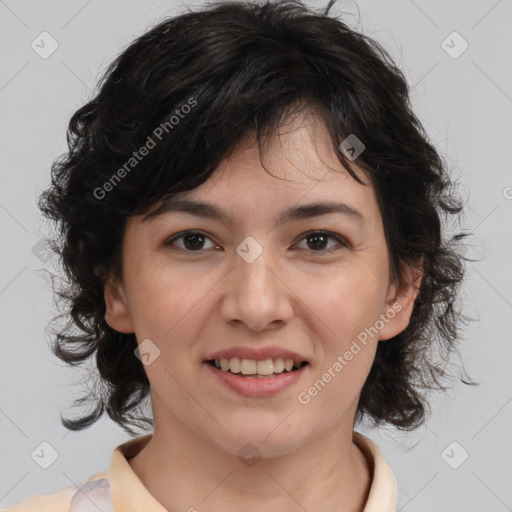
(193, 236)
(313, 237)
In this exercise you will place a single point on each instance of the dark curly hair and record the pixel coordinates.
(189, 90)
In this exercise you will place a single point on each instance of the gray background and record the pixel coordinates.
(465, 104)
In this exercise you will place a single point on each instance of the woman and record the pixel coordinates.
(250, 219)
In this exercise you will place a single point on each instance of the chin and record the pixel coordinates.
(262, 439)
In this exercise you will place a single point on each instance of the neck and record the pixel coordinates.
(185, 471)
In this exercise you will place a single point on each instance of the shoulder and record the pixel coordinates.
(55, 502)
(95, 490)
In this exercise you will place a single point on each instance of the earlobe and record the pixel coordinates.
(117, 314)
(400, 303)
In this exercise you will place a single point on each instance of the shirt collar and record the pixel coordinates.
(383, 491)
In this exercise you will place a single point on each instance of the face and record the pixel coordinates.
(312, 286)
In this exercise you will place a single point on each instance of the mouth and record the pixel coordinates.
(257, 369)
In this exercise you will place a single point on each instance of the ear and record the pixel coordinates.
(400, 302)
(117, 314)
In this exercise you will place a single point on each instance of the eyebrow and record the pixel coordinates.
(210, 211)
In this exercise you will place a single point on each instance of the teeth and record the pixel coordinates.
(265, 367)
(234, 364)
(278, 365)
(253, 367)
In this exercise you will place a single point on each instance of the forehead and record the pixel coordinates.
(295, 174)
(299, 160)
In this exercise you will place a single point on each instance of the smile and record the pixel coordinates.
(254, 378)
(252, 367)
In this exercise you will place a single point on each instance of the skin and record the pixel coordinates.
(293, 295)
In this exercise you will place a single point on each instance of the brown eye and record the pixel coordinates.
(192, 241)
(317, 241)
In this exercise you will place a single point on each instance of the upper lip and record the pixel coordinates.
(258, 354)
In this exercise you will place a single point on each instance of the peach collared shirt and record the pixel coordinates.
(119, 489)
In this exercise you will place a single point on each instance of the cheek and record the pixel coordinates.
(162, 298)
(346, 299)
(348, 309)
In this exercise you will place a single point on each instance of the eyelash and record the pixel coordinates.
(328, 234)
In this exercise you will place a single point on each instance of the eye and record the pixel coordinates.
(193, 241)
(319, 240)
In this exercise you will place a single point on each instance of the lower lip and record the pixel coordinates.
(258, 387)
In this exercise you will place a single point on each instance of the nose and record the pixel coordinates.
(257, 293)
